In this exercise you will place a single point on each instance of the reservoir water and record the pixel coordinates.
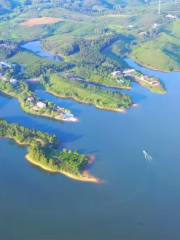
(35, 47)
(138, 200)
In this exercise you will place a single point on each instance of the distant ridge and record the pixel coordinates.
(80, 5)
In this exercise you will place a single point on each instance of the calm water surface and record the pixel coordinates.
(36, 47)
(139, 200)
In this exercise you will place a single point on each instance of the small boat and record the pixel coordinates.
(147, 156)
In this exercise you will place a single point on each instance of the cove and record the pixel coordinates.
(36, 48)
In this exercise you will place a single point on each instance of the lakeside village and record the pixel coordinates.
(151, 83)
(29, 101)
(125, 77)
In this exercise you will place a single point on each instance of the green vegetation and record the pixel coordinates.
(87, 30)
(43, 151)
(62, 45)
(25, 136)
(30, 103)
(86, 53)
(153, 84)
(34, 65)
(161, 53)
(108, 100)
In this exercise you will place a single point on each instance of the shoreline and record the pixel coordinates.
(74, 119)
(141, 64)
(122, 110)
(50, 117)
(156, 90)
(15, 140)
(85, 177)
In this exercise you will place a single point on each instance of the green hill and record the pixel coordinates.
(161, 53)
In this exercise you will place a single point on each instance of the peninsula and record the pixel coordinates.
(30, 103)
(82, 92)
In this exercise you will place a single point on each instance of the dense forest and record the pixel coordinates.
(43, 150)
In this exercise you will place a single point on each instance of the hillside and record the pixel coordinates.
(87, 5)
(161, 53)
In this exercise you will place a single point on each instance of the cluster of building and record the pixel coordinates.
(124, 73)
(32, 102)
(4, 69)
(147, 80)
(138, 77)
(10, 80)
(39, 105)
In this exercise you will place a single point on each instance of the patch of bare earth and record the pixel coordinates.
(41, 21)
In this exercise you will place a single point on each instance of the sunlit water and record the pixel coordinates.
(36, 47)
(139, 200)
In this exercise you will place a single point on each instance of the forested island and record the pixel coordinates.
(44, 152)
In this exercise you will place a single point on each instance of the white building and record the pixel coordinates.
(116, 73)
(155, 25)
(128, 71)
(30, 99)
(170, 16)
(41, 105)
(60, 109)
(68, 115)
(13, 81)
(143, 34)
(130, 26)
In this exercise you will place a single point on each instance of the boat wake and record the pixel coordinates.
(147, 156)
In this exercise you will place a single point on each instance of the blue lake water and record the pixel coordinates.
(36, 47)
(139, 199)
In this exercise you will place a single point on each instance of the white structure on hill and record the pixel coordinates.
(41, 105)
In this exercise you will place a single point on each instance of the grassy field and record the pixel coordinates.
(89, 95)
(162, 53)
(34, 65)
